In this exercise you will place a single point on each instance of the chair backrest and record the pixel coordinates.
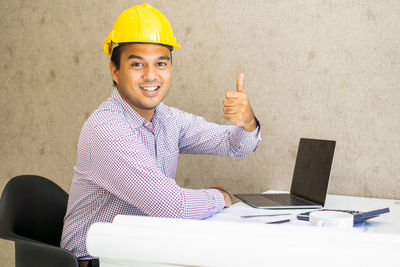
(32, 210)
(32, 207)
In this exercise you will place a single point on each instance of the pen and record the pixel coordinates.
(264, 215)
(282, 221)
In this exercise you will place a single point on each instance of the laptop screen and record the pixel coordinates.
(312, 169)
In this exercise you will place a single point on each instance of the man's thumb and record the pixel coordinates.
(239, 83)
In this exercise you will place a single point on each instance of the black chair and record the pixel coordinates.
(32, 210)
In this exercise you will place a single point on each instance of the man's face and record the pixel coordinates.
(144, 76)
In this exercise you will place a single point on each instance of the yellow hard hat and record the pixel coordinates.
(140, 24)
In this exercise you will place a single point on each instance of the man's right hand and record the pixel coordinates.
(227, 196)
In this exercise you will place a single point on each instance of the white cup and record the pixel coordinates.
(328, 218)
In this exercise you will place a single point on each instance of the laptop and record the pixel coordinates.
(310, 179)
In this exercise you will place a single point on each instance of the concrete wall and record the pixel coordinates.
(322, 69)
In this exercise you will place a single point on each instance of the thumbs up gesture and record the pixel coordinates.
(237, 107)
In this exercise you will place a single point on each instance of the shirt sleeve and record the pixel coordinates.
(122, 165)
(198, 136)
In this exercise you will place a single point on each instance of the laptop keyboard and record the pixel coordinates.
(288, 200)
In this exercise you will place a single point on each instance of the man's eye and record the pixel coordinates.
(161, 64)
(137, 64)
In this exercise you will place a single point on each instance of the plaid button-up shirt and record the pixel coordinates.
(127, 165)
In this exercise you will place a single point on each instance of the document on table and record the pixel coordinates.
(247, 214)
(237, 213)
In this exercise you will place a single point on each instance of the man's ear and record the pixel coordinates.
(114, 72)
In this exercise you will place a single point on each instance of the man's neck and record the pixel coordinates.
(145, 114)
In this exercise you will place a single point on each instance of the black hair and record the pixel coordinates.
(116, 54)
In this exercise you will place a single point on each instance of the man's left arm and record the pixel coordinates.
(197, 136)
(237, 107)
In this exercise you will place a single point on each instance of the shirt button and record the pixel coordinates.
(148, 126)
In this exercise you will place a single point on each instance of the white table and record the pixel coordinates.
(156, 242)
(385, 223)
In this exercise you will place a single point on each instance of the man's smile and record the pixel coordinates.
(149, 88)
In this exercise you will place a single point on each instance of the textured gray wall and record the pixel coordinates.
(322, 69)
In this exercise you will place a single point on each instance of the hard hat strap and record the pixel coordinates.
(114, 45)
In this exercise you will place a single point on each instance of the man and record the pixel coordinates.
(129, 146)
